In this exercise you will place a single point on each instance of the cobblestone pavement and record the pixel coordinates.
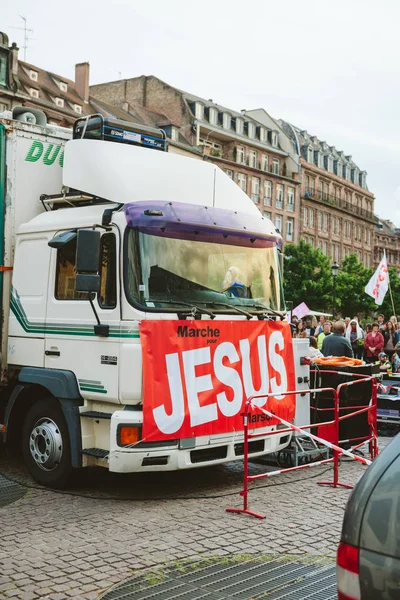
(58, 546)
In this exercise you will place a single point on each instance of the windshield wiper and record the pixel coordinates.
(191, 305)
(266, 309)
(239, 310)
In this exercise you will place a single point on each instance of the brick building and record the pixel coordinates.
(337, 209)
(387, 238)
(249, 146)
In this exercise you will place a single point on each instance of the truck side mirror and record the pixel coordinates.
(87, 261)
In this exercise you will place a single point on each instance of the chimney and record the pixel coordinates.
(82, 80)
(14, 60)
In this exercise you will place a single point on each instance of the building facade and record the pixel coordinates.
(337, 209)
(249, 146)
(387, 239)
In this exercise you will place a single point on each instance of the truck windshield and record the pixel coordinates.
(161, 272)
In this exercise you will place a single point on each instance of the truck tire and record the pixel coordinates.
(45, 444)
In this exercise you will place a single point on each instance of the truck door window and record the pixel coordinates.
(66, 273)
(107, 296)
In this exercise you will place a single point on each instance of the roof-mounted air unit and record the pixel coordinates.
(97, 127)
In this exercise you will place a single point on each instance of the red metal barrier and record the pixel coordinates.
(371, 408)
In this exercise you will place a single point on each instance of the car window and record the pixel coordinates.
(380, 529)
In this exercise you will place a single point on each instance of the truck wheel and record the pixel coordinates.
(45, 444)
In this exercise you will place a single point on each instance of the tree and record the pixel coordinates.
(352, 278)
(307, 276)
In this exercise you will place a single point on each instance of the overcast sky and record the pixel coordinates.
(330, 67)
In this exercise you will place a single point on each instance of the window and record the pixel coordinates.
(312, 218)
(279, 196)
(174, 130)
(290, 198)
(34, 93)
(264, 162)
(59, 102)
(338, 228)
(330, 164)
(253, 159)
(251, 128)
(326, 191)
(63, 86)
(275, 166)
(325, 221)
(267, 214)
(229, 173)
(319, 220)
(199, 111)
(66, 273)
(305, 217)
(239, 126)
(349, 229)
(267, 193)
(274, 139)
(3, 67)
(78, 109)
(289, 229)
(213, 116)
(255, 189)
(240, 155)
(325, 248)
(242, 181)
(310, 155)
(33, 75)
(278, 223)
(226, 121)
(263, 135)
(369, 237)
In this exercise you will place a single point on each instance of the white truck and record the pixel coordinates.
(77, 277)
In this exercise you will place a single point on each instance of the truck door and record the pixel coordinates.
(70, 341)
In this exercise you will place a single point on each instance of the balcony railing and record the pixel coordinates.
(338, 203)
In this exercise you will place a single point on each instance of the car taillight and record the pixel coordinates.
(347, 572)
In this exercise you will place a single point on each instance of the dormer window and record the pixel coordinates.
(213, 116)
(263, 134)
(320, 160)
(78, 108)
(59, 102)
(34, 93)
(33, 75)
(338, 168)
(63, 86)
(239, 126)
(330, 164)
(363, 180)
(310, 156)
(274, 139)
(226, 121)
(199, 111)
(355, 174)
(251, 129)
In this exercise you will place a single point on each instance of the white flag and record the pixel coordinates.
(379, 282)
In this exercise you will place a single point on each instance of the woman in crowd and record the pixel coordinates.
(300, 331)
(390, 339)
(354, 334)
(373, 344)
(396, 359)
(313, 351)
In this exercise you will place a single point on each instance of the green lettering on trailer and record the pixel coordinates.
(36, 150)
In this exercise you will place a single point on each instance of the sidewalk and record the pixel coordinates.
(57, 546)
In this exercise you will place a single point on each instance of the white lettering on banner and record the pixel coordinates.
(239, 381)
(276, 339)
(196, 384)
(229, 377)
(246, 369)
(171, 423)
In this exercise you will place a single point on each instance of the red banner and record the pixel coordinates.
(198, 374)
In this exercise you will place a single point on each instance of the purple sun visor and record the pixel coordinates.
(201, 223)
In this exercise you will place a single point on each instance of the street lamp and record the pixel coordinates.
(335, 268)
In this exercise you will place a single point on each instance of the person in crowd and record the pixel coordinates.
(347, 321)
(396, 359)
(373, 344)
(390, 339)
(320, 327)
(367, 330)
(309, 328)
(313, 351)
(385, 366)
(354, 334)
(394, 321)
(300, 330)
(326, 331)
(381, 322)
(336, 344)
(233, 284)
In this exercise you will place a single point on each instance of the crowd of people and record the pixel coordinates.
(374, 342)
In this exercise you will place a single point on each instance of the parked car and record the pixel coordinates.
(368, 557)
